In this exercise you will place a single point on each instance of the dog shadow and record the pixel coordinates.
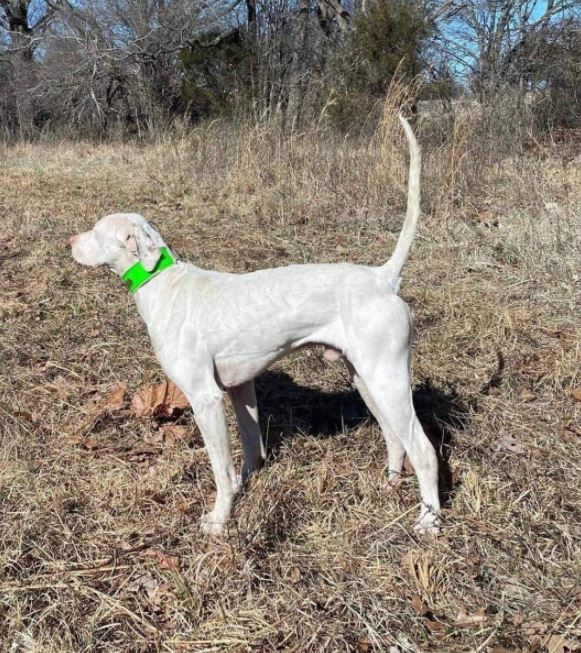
(287, 407)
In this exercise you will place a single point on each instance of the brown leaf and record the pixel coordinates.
(487, 218)
(531, 628)
(436, 627)
(165, 561)
(419, 606)
(576, 393)
(558, 644)
(115, 397)
(528, 395)
(173, 433)
(432, 622)
(518, 619)
(161, 400)
(78, 440)
(464, 620)
(154, 436)
(295, 574)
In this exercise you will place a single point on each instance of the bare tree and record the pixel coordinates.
(487, 38)
(22, 25)
(118, 60)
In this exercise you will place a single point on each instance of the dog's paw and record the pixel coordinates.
(394, 480)
(211, 524)
(428, 524)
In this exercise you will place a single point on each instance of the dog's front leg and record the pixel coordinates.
(208, 406)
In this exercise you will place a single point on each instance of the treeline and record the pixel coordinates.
(115, 67)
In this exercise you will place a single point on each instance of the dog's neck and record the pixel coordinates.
(153, 299)
(137, 276)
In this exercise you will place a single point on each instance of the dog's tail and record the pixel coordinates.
(402, 249)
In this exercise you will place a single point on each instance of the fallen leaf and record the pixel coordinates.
(173, 433)
(518, 619)
(89, 442)
(115, 397)
(419, 606)
(559, 644)
(141, 582)
(464, 620)
(576, 393)
(154, 437)
(157, 593)
(162, 400)
(510, 443)
(487, 218)
(146, 583)
(224, 565)
(531, 628)
(432, 622)
(295, 574)
(168, 562)
(436, 627)
(528, 395)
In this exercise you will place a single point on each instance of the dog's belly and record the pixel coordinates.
(237, 370)
(249, 358)
(233, 372)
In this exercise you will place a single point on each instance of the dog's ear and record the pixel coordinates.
(141, 243)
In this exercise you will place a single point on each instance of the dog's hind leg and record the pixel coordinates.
(379, 351)
(395, 450)
(244, 401)
(389, 387)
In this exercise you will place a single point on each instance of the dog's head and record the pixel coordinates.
(118, 240)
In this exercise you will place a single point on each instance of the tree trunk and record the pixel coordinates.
(252, 44)
(341, 14)
(21, 63)
(296, 82)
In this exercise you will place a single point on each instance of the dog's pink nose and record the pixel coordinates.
(72, 240)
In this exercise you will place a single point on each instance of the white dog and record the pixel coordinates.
(213, 331)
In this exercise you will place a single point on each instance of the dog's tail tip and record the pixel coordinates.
(400, 254)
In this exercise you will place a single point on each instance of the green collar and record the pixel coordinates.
(138, 276)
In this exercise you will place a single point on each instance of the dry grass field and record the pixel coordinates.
(100, 548)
